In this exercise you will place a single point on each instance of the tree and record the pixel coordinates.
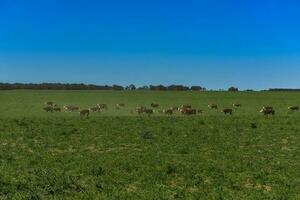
(196, 88)
(158, 87)
(178, 88)
(145, 87)
(233, 89)
(131, 87)
(117, 87)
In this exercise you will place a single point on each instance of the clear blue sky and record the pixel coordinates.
(212, 43)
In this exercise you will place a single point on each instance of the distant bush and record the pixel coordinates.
(197, 88)
(233, 89)
(130, 87)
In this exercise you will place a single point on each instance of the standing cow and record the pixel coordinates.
(102, 106)
(84, 113)
(188, 111)
(70, 108)
(148, 111)
(267, 111)
(168, 111)
(293, 108)
(213, 106)
(227, 111)
(95, 109)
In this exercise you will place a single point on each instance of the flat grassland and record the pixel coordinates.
(120, 155)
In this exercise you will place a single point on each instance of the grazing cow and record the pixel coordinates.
(70, 108)
(148, 111)
(84, 113)
(268, 111)
(49, 103)
(168, 111)
(95, 109)
(293, 108)
(48, 109)
(237, 105)
(182, 110)
(189, 111)
(102, 106)
(184, 107)
(227, 111)
(56, 109)
(154, 105)
(213, 106)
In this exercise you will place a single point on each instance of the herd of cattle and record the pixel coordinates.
(154, 107)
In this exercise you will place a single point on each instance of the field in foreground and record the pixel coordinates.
(118, 156)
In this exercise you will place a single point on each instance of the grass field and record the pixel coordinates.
(119, 155)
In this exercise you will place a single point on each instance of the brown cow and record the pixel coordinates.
(189, 111)
(213, 106)
(268, 111)
(95, 109)
(227, 111)
(293, 108)
(184, 107)
(71, 108)
(84, 113)
(102, 106)
(148, 111)
(168, 111)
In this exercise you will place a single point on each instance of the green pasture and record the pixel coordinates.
(119, 155)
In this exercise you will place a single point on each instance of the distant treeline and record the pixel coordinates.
(284, 89)
(81, 86)
(66, 86)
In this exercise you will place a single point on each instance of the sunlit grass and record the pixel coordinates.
(60, 156)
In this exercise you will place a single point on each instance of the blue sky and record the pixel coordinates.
(213, 43)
